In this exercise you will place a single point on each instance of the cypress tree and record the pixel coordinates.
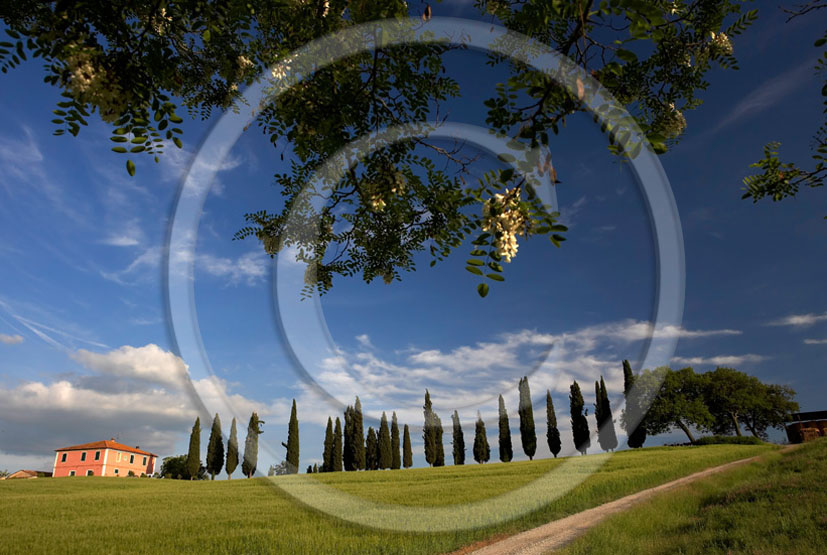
(384, 441)
(215, 449)
(232, 451)
(250, 460)
(293, 441)
(359, 435)
(336, 456)
(506, 450)
(407, 452)
(315, 468)
(439, 455)
(349, 455)
(598, 410)
(429, 431)
(481, 450)
(310, 469)
(528, 436)
(579, 424)
(371, 451)
(606, 435)
(396, 462)
(553, 434)
(459, 441)
(632, 412)
(194, 453)
(327, 454)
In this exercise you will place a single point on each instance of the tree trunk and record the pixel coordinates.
(734, 418)
(685, 429)
(751, 428)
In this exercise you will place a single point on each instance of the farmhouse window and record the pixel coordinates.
(71, 473)
(83, 456)
(97, 455)
(131, 459)
(63, 458)
(116, 472)
(144, 463)
(90, 473)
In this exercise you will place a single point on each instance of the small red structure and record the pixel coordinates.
(103, 458)
(806, 426)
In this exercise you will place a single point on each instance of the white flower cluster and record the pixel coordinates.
(377, 203)
(281, 69)
(398, 183)
(90, 83)
(161, 22)
(721, 44)
(325, 8)
(672, 123)
(502, 217)
(244, 62)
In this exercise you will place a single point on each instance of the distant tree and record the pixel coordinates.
(606, 436)
(327, 453)
(315, 468)
(772, 412)
(359, 434)
(194, 453)
(271, 471)
(293, 440)
(528, 435)
(250, 460)
(371, 451)
(384, 444)
(215, 449)
(175, 468)
(429, 430)
(4, 473)
(407, 452)
(579, 424)
(281, 469)
(553, 434)
(459, 441)
(506, 450)
(232, 451)
(336, 456)
(310, 469)
(439, 456)
(481, 450)
(677, 400)
(632, 416)
(349, 454)
(396, 462)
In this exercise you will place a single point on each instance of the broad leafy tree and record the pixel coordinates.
(459, 441)
(777, 403)
(528, 436)
(194, 453)
(215, 449)
(552, 434)
(232, 451)
(250, 460)
(676, 401)
(139, 65)
(579, 424)
(506, 450)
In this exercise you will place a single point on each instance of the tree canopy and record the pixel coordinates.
(140, 65)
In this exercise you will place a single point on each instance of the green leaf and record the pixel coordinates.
(130, 167)
(819, 42)
(118, 149)
(474, 270)
(495, 266)
(137, 149)
(177, 142)
(506, 175)
(206, 35)
(118, 139)
(478, 252)
(174, 118)
(626, 55)
(495, 277)
(474, 262)
(482, 289)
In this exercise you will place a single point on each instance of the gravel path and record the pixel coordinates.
(558, 533)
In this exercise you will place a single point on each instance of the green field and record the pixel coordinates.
(104, 515)
(778, 505)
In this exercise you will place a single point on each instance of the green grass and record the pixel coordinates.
(105, 515)
(777, 505)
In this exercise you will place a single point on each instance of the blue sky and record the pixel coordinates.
(86, 352)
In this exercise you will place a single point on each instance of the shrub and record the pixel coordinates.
(131, 474)
(732, 440)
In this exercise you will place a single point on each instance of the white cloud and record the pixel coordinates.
(126, 235)
(11, 339)
(799, 320)
(721, 360)
(815, 341)
(148, 363)
(249, 268)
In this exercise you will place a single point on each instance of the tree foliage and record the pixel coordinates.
(407, 452)
(481, 450)
(429, 432)
(384, 444)
(528, 435)
(215, 449)
(250, 460)
(633, 414)
(552, 434)
(579, 424)
(396, 461)
(676, 401)
(232, 451)
(371, 451)
(506, 449)
(194, 453)
(137, 65)
(439, 454)
(606, 436)
(327, 454)
(293, 440)
(336, 456)
(459, 441)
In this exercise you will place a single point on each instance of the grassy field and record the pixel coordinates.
(104, 515)
(778, 505)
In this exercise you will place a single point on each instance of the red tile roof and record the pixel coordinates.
(106, 444)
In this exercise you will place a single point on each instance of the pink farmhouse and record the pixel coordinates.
(103, 458)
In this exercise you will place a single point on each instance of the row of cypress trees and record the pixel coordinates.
(215, 449)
